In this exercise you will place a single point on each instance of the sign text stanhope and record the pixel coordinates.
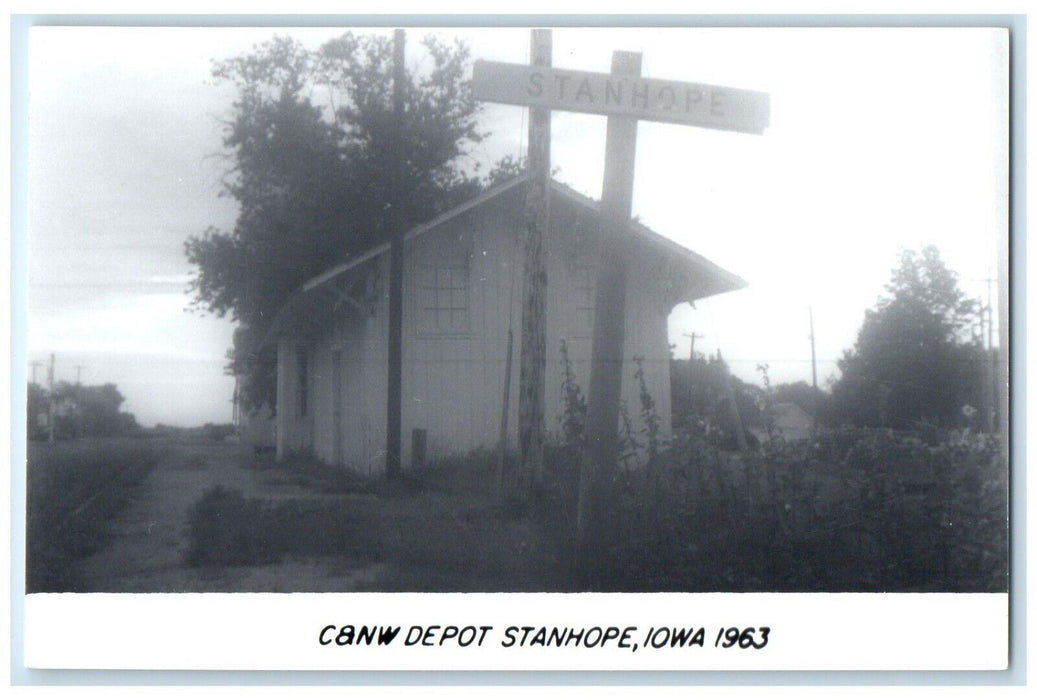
(676, 102)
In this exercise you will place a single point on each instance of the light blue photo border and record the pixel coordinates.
(1015, 675)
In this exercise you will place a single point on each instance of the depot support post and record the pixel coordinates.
(599, 455)
(394, 402)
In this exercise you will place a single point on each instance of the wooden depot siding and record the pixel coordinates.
(453, 366)
(294, 433)
(354, 390)
(453, 377)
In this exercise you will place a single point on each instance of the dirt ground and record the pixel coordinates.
(146, 552)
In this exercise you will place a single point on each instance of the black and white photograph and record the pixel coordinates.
(517, 310)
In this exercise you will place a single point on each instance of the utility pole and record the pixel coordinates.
(35, 365)
(394, 400)
(692, 335)
(50, 399)
(813, 373)
(533, 355)
(991, 381)
(691, 368)
(79, 368)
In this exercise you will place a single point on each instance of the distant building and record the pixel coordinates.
(462, 291)
(787, 420)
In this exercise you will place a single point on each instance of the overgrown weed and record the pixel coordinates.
(893, 515)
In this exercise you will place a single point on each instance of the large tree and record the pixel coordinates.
(917, 357)
(309, 143)
(701, 389)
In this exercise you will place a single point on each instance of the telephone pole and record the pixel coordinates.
(692, 335)
(813, 373)
(50, 399)
(691, 369)
(991, 379)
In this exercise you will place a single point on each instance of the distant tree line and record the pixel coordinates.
(216, 432)
(78, 411)
(918, 361)
(919, 356)
(701, 396)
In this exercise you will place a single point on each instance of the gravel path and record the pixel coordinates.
(146, 553)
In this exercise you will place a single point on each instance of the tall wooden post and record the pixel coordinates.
(600, 450)
(50, 400)
(991, 379)
(502, 441)
(813, 375)
(394, 399)
(533, 359)
(691, 370)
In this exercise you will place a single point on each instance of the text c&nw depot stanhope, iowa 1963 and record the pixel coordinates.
(631, 637)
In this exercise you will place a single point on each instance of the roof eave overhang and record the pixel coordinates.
(701, 277)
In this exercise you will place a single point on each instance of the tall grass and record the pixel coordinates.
(852, 511)
(887, 514)
(227, 529)
(443, 528)
(74, 491)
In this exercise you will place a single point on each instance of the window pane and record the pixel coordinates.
(444, 305)
(583, 301)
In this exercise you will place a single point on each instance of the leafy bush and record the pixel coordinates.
(574, 406)
(225, 528)
(892, 515)
(855, 510)
(219, 431)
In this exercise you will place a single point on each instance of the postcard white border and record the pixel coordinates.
(273, 631)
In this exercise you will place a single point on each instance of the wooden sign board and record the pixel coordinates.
(696, 104)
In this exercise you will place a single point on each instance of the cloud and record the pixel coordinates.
(170, 279)
(148, 325)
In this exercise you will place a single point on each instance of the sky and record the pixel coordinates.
(879, 139)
